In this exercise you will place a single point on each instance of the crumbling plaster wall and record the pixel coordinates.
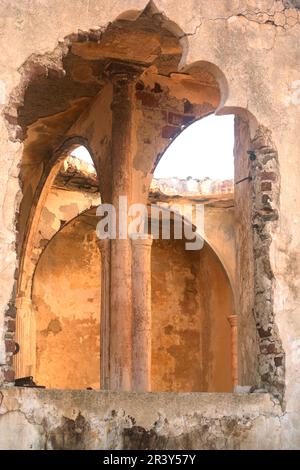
(255, 44)
(83, 419)
(66, 301)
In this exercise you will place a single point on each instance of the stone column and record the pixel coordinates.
(121, 316)
(122, 78)
(141, 293)
(25, 359)
(234, 349)
(104, 247)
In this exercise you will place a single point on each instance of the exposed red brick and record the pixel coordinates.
(169, 131)
(266, 199)
(9, 375)
(13, 120)
(268, 176)
(11, 326)
(269, 349)
(188, 119)
(177, 119)
(150, 100)
(264, 333)
(278, 361)
(164, 115)
(9, 345)
(266, 186)
(188, 107)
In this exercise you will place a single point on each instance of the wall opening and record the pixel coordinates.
(66, 303)
(192, 296)
(56, 323)
(60, 96)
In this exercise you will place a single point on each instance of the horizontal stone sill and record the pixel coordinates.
(144, 407)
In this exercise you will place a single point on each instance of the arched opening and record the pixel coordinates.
(203, 150)
(123, 91)
(191, 289)
(191, 334)
(66, 303)
(71, 188)
(188, 323)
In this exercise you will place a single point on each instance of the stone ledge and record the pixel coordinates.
(144, 406)
(88, 419)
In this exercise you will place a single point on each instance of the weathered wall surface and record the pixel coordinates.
(163, 106)
(248, 367)
(59, 208)
(66, 300)
(219, 228)
(191, 301)
(256, 46)
(53, 419)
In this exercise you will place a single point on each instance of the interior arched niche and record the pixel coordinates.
(66, 301)
(68, 187)
(191, 299)
(191, 335)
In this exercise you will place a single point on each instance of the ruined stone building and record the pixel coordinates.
(133, 343)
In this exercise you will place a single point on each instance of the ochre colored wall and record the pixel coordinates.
(66, 296)
(191, 299)
(220, 33)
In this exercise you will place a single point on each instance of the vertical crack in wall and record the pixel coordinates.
(266, 190)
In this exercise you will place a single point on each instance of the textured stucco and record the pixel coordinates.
(191, 302)
(66, 300)
(255, 46)
(53, 419)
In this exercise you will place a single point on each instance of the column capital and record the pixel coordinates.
(142, 239)
(233, 320)
(122, 72)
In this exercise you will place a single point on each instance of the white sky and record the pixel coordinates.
(82, 154)
(204, 149)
